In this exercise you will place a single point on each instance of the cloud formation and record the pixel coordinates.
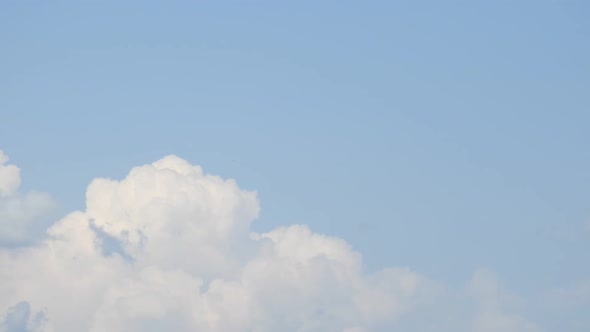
(19, 213)
(170, 248)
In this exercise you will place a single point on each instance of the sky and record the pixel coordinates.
(442, 142)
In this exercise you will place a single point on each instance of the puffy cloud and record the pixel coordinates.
(188, 261)
(170, 248)
(20, 214)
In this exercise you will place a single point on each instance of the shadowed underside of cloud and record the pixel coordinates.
(170, 248)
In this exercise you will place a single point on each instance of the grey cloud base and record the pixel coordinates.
(170, 248)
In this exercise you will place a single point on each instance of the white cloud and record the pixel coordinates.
(498, 310)
(9, 176)
(187, 261)
(20, 213)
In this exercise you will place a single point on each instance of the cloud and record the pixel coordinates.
(498, 309)
(21, 215)
(170, 248)
(9, 176)
(569, 296)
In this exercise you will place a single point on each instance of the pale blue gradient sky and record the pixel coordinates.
(442, 136)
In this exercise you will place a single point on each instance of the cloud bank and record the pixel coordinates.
(169, 248)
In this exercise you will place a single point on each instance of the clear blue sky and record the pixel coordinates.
(439, 135)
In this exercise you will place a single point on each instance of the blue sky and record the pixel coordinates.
(441, 136)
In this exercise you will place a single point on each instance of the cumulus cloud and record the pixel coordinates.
(20, 213)
(170, 248)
